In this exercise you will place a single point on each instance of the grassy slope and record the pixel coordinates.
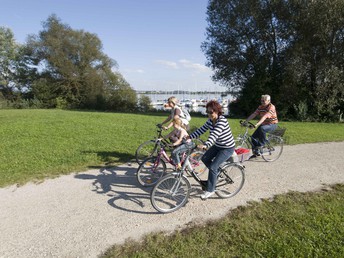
(44, 143)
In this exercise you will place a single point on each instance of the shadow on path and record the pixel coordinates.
(120, 184)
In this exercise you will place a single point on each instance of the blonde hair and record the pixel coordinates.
(172, 100)
(178, 121)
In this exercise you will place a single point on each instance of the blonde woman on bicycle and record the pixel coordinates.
(267, 123)
(176, 112)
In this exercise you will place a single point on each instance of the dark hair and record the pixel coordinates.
(215, 106)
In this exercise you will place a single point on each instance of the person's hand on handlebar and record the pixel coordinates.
(202, 146)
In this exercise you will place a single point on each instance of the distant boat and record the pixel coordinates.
(225, 103)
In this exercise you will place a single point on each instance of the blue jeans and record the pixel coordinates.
(259, 136)
(212, 159)
(180, 149)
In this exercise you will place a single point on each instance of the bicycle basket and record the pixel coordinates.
(279, 131)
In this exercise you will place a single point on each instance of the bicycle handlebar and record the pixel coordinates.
(247, 124)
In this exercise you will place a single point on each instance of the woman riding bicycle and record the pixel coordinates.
(176, 112)
(267, 123)
(220, 143)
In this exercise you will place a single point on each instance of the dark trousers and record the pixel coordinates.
(212, 159)
(259, 136)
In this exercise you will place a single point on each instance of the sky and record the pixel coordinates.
(156, 43)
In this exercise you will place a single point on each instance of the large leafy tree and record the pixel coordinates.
(290, 49)
(9, 50)
(72, 66)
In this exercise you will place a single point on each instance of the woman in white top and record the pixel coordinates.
(176, 112)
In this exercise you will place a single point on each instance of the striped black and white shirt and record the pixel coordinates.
(220, 133)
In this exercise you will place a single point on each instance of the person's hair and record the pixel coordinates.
(178, 121)
(266, 97)
(215, 106)
(172, 100)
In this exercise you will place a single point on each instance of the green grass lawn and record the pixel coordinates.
(290, 225)
(37, 144)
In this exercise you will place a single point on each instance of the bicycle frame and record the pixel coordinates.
(162, 154)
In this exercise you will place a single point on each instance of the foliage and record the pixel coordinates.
(144, 103)
(292, 50)
(62, 64)
(8, 56)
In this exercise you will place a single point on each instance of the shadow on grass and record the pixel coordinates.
(120, 185)
(113, 157)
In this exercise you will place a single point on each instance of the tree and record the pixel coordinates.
(145, 103)
(8, 56)
(284, 48)
(72, 67)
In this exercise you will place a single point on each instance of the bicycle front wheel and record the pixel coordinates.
(150, 171)
(170, 193)
(273, 150)
(196, 162)
(145, 150)
(230, 181)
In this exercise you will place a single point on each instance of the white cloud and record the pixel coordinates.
(168, 63)
(184, 63)
(194, 66)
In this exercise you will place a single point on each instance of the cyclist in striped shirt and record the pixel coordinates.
(220, 144)
(267, 123)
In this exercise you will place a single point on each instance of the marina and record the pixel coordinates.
(193, 102)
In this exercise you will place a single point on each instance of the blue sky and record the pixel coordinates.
(156, 43)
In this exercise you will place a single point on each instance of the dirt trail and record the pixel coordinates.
(81, 215)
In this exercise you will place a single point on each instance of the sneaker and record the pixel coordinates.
(179, 167)
(206, 195)
(253, 156)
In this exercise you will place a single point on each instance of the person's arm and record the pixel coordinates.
(182, 135)
(166, 120)
(253, 115)
(262, 119)
(200, 131)
(175, 115)
(169, 135)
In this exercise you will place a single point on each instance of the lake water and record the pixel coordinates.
(186, 99)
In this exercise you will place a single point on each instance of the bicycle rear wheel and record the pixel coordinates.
(150, 171)
(170, 193)
(230, 181)
(273, 150)
(145, 150)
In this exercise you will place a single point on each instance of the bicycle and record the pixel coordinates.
(172, 191)
(150, 148)
(153, 168)
(273, 148)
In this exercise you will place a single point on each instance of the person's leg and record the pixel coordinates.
(221, 156)
(256, 136)
(266, 129)
(176, 154)
(209, 155)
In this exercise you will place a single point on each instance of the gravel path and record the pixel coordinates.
(81, 215)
